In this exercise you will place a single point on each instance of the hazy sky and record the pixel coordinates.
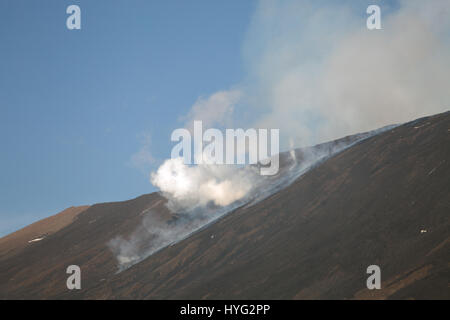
(86, 115)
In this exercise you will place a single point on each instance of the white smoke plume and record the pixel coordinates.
(317, 73)
(199, 195)
(195, 186)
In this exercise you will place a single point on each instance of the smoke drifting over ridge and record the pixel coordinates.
(316, 72)
(195, 208)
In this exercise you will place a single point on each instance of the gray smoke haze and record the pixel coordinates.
(316, 72)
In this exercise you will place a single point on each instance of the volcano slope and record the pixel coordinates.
(384, 201)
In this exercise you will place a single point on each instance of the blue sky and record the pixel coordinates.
(76, 105)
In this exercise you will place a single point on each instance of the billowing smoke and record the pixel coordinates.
(315, 72)
(199, 195)
(189, 187)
